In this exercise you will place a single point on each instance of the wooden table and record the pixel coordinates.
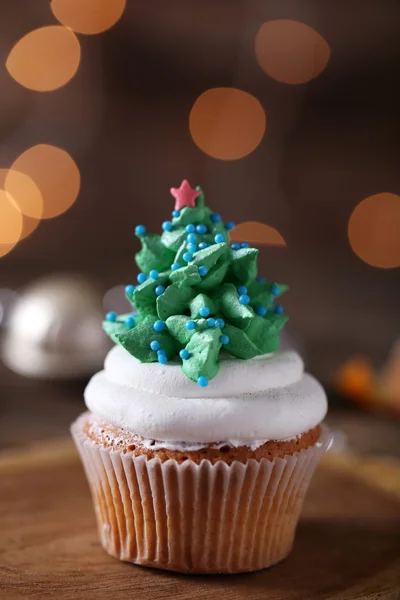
(347, 547)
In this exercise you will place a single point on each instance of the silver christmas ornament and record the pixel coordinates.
(54, 329)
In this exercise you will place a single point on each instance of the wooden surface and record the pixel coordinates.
(347, 547)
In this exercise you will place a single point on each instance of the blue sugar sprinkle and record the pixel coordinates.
(229, 225)
(261, 310)
(220, 323)
(190, 325)
(130, 321)
(160, 289)
(191, 237)
(192, 248)
(187, 257)
(215, 218)
(204, 311)
(184, 354)
(155, 345)
(203, 271)
(162, 357)
(159, 326)
(202, 381)
(275, 290)
(203, 245)
(244, 299)
(261, 279)
(242, 290)
(167, 226)
(235, 246)
(176, 213)
(219, 238)
(140, 230)
(154, 274)
(142, 277)
(201, 229)
(278, 309)
(211, 322)
(245, 245)
(111, 317)
(175, 266)
(129, 290)
(224, 339)
(190, 228)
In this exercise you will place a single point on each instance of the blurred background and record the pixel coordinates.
(285, 112)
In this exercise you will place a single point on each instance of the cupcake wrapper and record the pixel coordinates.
(197, 518)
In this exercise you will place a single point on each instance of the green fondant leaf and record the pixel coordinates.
(278, 321)
(244, 264)
(174, 300)
(260, 293)
(262, 334)
(198, 302)
(214, 277)
(203, 349)
(137, 341)
(179, 255)
(154, 255)
(173, 239)
(239, 344)
(186, 276)
(209, 256)
(190, 216)
(144, 297)
(176, 325)
(228, 298)
(112, 329)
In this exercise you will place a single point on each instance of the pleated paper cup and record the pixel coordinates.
(197, 518)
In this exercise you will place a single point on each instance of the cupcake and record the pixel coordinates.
(201, 436)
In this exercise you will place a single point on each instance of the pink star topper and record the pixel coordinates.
(184, 195)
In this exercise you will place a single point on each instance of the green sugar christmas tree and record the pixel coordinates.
(197, 294)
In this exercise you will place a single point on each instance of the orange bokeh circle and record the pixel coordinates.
(24, 195)
(88, 16)
(255, 233)
(10, 223)
(55, 174)
(45, 59)
(374, 230)
(290, 51)
(227, 123)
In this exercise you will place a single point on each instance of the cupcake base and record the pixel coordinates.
(196, 518)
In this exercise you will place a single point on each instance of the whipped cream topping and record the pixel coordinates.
(248, 402)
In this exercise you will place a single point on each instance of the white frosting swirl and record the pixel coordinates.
(266, 398)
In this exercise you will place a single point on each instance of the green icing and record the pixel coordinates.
(154, 255)
(244, 264)
(203, 349)
(239, 314)
(200, 301)
(136, 341)
(211, 279)
(174, 300)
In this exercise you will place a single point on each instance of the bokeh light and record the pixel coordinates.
(374, 230)
(290, 51)
(24, 191)
(26, 196)
(45, 59)
(10, 223)
(257, 233)
(54, 173)
(88, 16)
(227, 123)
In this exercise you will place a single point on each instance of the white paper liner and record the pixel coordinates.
(197, 518)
